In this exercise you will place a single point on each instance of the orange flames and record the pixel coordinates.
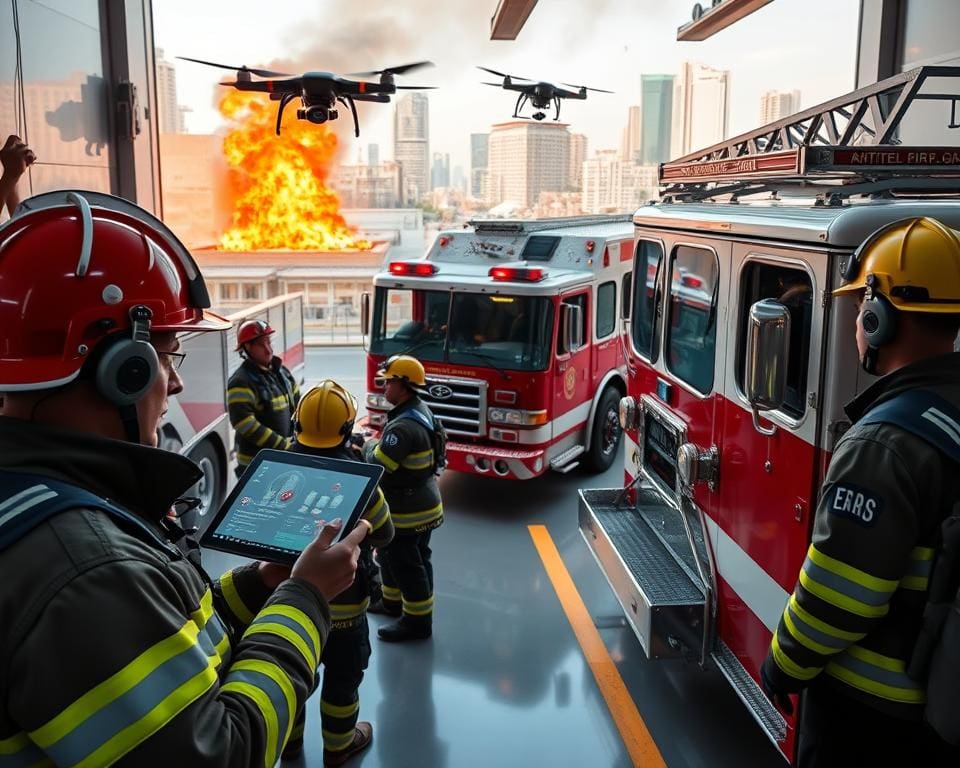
(279, 183)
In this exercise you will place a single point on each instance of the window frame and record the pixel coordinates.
(667, 318)
(782, 417)
(585, 314)
(613, 314)
(656, 330)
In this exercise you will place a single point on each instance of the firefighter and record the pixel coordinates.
(848, 630)
(117, 649)
(262, 395)
(323, 426)
(406, 452)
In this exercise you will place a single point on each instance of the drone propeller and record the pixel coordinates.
(585, 88)
(401, 70)
(415, 87)
(495, 85)
(503, 74)
(260, 72)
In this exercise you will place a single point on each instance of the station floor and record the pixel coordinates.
(505, 682)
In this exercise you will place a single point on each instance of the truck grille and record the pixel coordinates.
(459, 404)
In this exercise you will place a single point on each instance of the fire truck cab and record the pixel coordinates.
(740, 363)
(516, 323)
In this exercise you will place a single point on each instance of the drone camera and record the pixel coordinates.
(316, 115)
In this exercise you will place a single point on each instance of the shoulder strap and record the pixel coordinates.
(29, 500)
(418, 416)
(924, 414)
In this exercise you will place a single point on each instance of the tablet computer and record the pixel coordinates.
(273, 511)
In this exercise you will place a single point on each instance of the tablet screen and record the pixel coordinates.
(275, 510)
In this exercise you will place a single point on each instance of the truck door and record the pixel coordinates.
(572, 373)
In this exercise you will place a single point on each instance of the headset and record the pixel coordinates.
(127, 366)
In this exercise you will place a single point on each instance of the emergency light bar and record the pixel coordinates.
(521, 274)
(413, 268)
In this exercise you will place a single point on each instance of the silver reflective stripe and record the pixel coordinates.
(278, 700)
(944, 422)
(845, 586)
(27, 753)
(38, 497)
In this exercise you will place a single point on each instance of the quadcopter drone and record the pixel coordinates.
(319, 92)
(540, 93)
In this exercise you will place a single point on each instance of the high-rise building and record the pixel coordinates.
(458, 178)
(527, 159)
(578, 153)
(440, 171)
(656, 115)
(777, 104)
(614, 185)
(373, 154)
(171, 113)
(479, 159)
(411, 148)
(368, 186)
(632, 135)
(701, 108)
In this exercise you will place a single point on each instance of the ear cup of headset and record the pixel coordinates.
(879, 321)
(126, 370)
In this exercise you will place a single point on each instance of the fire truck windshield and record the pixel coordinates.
(508, 332)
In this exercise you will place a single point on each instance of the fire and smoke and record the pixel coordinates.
(279, 184)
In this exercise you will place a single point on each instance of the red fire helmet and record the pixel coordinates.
(251, 330)
(72, 265)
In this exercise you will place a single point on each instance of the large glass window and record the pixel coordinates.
(692, 331)
(511, 332)
(606, 309)
(792, 288)
(646, 326)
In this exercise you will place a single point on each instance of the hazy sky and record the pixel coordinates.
(805, 44)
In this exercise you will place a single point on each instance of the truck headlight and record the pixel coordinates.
(515, 417)
(378, 401)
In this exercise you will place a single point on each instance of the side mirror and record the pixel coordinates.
(768, 350)
(364, 317)
(572, 325)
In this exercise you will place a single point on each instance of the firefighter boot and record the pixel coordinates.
(363, 735)
(408, 628)
(385, 607)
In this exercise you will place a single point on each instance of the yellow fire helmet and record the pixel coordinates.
(914, 263)
(404, 367)
(325, 415)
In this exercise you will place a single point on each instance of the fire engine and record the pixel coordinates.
(739, 365)
(516, 325)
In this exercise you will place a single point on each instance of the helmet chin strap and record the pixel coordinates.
(131, 424)
(869, 361)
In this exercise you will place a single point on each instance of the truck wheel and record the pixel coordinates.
(605, 437)
(209, 488)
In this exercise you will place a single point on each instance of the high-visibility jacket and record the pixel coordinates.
(261, 404)
(856, 610)
(115, 649)
(405, 451)
(350, 606)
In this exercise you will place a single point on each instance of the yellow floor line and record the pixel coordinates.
(640, 745)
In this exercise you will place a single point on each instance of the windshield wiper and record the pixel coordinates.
(486, 358)
(416, 345)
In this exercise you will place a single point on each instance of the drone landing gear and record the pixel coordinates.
(556, 101)
(521, 100)
(353, 109)
(284, 100)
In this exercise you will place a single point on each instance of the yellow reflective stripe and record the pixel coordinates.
(389, 464)
(234, 601)
(202, 615)
(263, 704)
(295, 614)
(788, 665)
(283, 631)
(413, 519)
(337, 742)
(237, 395)
(378, 513)
(264, 438)
(280, 677)
(419, 607)
(876, 674)
(922, 553)
(335, 710)
(847, 571)
(116, 685)
(418, 464)
(806, 640)
(839, 600)
(153, 721)
(247, 426)
(392, 593)
(14, 744)
(223, 647)
(918, 583)
(828, 629)
(343, 611)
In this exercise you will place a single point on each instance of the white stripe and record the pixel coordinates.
(546, 432)
(758, 590)
(22, 495)
(27, 505)
(945, 423)
(630, 448)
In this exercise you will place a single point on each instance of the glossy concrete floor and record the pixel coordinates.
(504, 683)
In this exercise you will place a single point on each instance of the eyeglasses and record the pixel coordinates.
(176, 358)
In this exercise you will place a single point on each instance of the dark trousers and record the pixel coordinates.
(406, 570)
(344, 659)
(837, 730)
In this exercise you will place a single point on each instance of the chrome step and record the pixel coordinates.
(561, 462)
(750, 693)
(662, 598)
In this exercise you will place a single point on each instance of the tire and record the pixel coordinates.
(606, 433)
(209, 489)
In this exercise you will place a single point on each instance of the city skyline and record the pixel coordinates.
(609, 45)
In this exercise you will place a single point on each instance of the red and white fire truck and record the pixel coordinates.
(516, 323)
(197, 424)
(704, 542)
